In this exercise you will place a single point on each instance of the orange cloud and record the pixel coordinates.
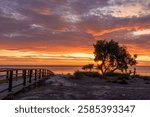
(133, 49)
(37, 61)
(114, 29)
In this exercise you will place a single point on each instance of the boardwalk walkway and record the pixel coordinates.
(14, 80)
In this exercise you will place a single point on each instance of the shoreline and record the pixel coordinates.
(141, 70)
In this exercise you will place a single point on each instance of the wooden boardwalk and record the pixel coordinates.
(14, 80)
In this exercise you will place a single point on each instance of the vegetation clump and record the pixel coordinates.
(88, 67)
(78, 75)
(146, 78)
(110, 56)
(112, 74)
(81, 74)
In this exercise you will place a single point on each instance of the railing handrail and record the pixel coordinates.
(5, 69)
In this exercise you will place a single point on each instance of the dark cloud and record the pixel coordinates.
(32, 24)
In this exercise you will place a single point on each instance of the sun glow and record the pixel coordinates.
(23, 57)
(26, 57)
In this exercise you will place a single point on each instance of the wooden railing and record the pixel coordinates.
(12, 80)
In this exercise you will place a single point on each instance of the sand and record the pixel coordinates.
(62, 87)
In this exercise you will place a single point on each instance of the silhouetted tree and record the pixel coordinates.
(88, 67)
(110, 56)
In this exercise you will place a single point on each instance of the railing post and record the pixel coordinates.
(24, 77)
(35, 78)
(46, 73)
(42, 72)
(7, 76)
(16, 74)
(10, 80)
(30, 76)
(28, 72)
(39, 73)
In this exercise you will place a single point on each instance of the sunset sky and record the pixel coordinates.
(62, 32)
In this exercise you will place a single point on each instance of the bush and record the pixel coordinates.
(136, 76)
(118, 78)
(146, 78)
(78, 75)
(112, 74)
(92, 74)
(81, 74)
(122, 81)
(124, 76)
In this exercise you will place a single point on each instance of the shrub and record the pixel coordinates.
(136, 76)
(122, 81)
(119, 78)
(112, 74)
(124, 76)
(88, 67)
(146, 78)
(92, 74)
(80, 74)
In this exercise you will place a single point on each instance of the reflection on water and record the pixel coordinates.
(142, 70)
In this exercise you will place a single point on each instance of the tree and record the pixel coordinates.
(88, 66)
(110, 56)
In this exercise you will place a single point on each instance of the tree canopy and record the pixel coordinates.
(110, 56)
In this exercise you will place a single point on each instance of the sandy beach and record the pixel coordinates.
(62, 87)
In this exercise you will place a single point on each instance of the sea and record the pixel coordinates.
(140, 70)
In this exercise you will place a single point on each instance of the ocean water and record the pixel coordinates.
(141, 70)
